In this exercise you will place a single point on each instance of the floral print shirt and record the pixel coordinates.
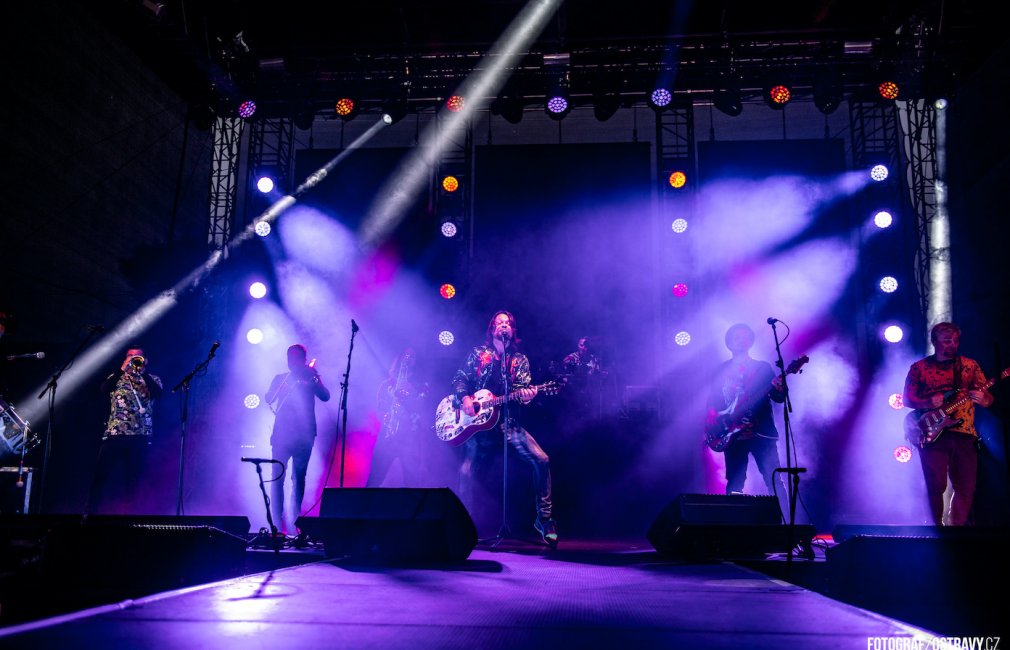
(131, 398)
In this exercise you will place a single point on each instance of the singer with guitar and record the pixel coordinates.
(499, 367)
(945, 377)
(739, 415)
(292, 397)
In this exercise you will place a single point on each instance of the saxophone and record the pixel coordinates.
(400, 390)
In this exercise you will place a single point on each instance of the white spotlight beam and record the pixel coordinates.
(97, 356)
(412, 172)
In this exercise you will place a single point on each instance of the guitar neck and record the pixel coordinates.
(498, 401)
(949, 408)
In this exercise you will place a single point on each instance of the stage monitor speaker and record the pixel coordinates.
(58, 563)
(724, 526)
(235, 525)
(929, 580)
(393, 525)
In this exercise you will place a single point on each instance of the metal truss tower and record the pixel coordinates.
(271, 150)
(223, 180)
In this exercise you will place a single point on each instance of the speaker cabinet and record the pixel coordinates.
(56, 563)
(724, 526)
(930, 580)
(393, 525)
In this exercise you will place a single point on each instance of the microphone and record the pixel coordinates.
(32, 355)
(772, 321)
(354, 326)
(214, 347)
(257, 461)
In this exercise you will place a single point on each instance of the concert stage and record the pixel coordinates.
(586, 593)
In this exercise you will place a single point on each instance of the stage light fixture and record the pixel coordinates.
(896, 402)
(346, 108)
(265, 184)
(257, 290)
(682, 338)
(660, 99)
(394, 110)
(455, 103)
(679, 225)
(605, 105)
(262, 228)
(827, 95)
(254, 336)
(449, 229)
(883, 219)
(445, 337)
(510, 108)
(902, 454)
(728, 101)
(678, 179)
(447, 291)
(557, 106)
(251, 401)
(680, 289)
(893, 333)
(303, 114)
(879, 172)
(777, 96)
(247, 109)
(889, 89)
(450, 184)
(888, 284)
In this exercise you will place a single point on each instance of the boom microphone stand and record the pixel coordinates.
(184, 385)
(343, 402)
(793, 483)
(51, 389)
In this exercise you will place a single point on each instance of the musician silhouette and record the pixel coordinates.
(739, 416)
(401, 400)
(292, 396)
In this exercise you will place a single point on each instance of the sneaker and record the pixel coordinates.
(548, 529)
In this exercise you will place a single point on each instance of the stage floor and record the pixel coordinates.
(518, 595)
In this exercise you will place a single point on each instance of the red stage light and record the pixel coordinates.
(779, 95)
(889, 90)
(450, 184)
(678, 179)
(454, 103)
(447, 291)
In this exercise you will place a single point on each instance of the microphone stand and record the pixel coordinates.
(274, 534)
(184, 385)
(504, 530)
(792, 483)
(51, 389)
(342, 434)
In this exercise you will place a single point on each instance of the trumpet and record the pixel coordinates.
(138, 362)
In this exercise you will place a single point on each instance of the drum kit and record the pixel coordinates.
(18, 438)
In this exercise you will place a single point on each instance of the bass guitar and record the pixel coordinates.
(924, 426)
(728, 424)
(455, 427)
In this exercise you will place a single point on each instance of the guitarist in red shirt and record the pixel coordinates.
(739, 418)
(483, 369)
(939, 379)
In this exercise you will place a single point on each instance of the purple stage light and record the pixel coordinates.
(557, 104)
